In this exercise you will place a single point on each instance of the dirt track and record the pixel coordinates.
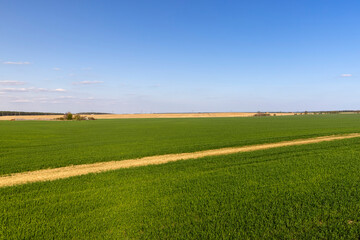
(76, 170)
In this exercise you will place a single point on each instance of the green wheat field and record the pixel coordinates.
(297, 192)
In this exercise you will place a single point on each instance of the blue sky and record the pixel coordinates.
(179, 56)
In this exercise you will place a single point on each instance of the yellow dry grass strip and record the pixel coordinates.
(146, 115)
(76, 170)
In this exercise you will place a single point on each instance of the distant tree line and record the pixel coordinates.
(265, 114)
(16, 113)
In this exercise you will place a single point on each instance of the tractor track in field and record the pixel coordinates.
(77, 170)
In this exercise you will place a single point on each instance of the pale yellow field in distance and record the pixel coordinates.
(158, 115)
(150, 115)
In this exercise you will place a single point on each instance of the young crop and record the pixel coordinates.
(32, 145)
(302, 192)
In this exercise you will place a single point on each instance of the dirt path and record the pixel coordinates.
(76, 170)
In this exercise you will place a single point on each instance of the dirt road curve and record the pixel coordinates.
(76, 170)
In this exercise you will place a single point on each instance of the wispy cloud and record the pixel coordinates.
(10, 82)
(346, 75)
(52, 100)
(47, 90)
(66, 97)
(17, 63)
(56, 69)
(59, 90)
(87, 82)
(21, 101)
(14, 89)
(31, 89)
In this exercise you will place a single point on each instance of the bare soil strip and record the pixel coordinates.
(76, 170)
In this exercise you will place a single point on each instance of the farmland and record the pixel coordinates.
(296, 192)
(49, 116)
(36, 145)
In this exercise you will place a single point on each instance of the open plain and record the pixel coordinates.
(237, 119)
(301, 181)
(83, 169)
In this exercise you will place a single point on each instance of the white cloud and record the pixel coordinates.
(17, 63)
(60, 90)
(66, 97)
(52, 100)
(31, 89)
(10, 82)
(87, 82)
(21, 101)
(56, 69)
(48, 90)
(13, 89)
(346, 75)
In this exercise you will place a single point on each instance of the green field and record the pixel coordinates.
(298, 192)
(32, 145)
(311, 191)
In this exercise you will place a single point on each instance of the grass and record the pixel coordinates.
(299, 192)
(32, 145)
